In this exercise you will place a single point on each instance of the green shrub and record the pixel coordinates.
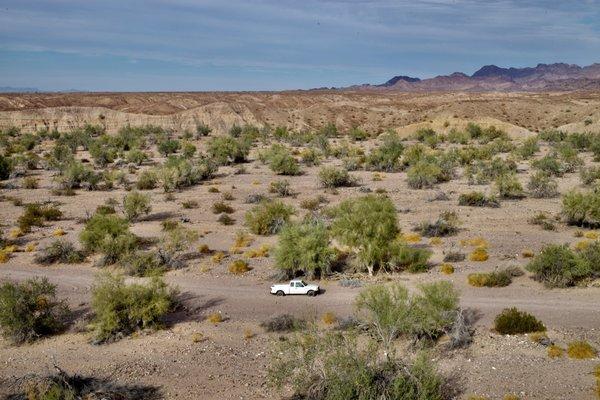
(458, 137)
(589, 175)
(202, 130)
(332, 366)
(228, 150)
(549, 164)
(513, 322)
(569, 157)
(581, 208)
(222, 207)
(35, 214)
(477, 199)
(268, 217)
(143, 264)
(176, 240)
(178, 173)
(390, 311)
(147, 180)
(74, 174)
(30, 310)
(591, 255)
(407, 258)
(552, 136)
(445, 225)
(333, 177)
(358, 134)
(282, 188)
(528, 148)
(109, 235)
(542, 186)
(5, 168)
(59, 251)
(558, 266)
(311, 157)
(136, 156)
(102, 152)
(136, 204)
(280, 160)
(484, 171)
(509, 187)
(304, 248)
(386, 157)
(428, 136)
(424, 174)
(499, 278)
(188, 150)
(121, 309)
(169, 146)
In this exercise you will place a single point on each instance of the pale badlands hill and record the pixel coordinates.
(303, 110)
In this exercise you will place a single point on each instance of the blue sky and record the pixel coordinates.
(182, 45)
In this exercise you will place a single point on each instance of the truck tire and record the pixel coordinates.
(311, 293)
(280, 293)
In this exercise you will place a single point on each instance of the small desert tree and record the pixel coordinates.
(304, 248)
(369, 225)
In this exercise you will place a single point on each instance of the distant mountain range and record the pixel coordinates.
(10, 89)
(543, 77)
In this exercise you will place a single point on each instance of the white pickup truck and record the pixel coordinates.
(295, 286)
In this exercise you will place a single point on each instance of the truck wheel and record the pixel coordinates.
(280, 293)
(311, 293)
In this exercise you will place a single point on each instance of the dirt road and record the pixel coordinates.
(249, 299)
